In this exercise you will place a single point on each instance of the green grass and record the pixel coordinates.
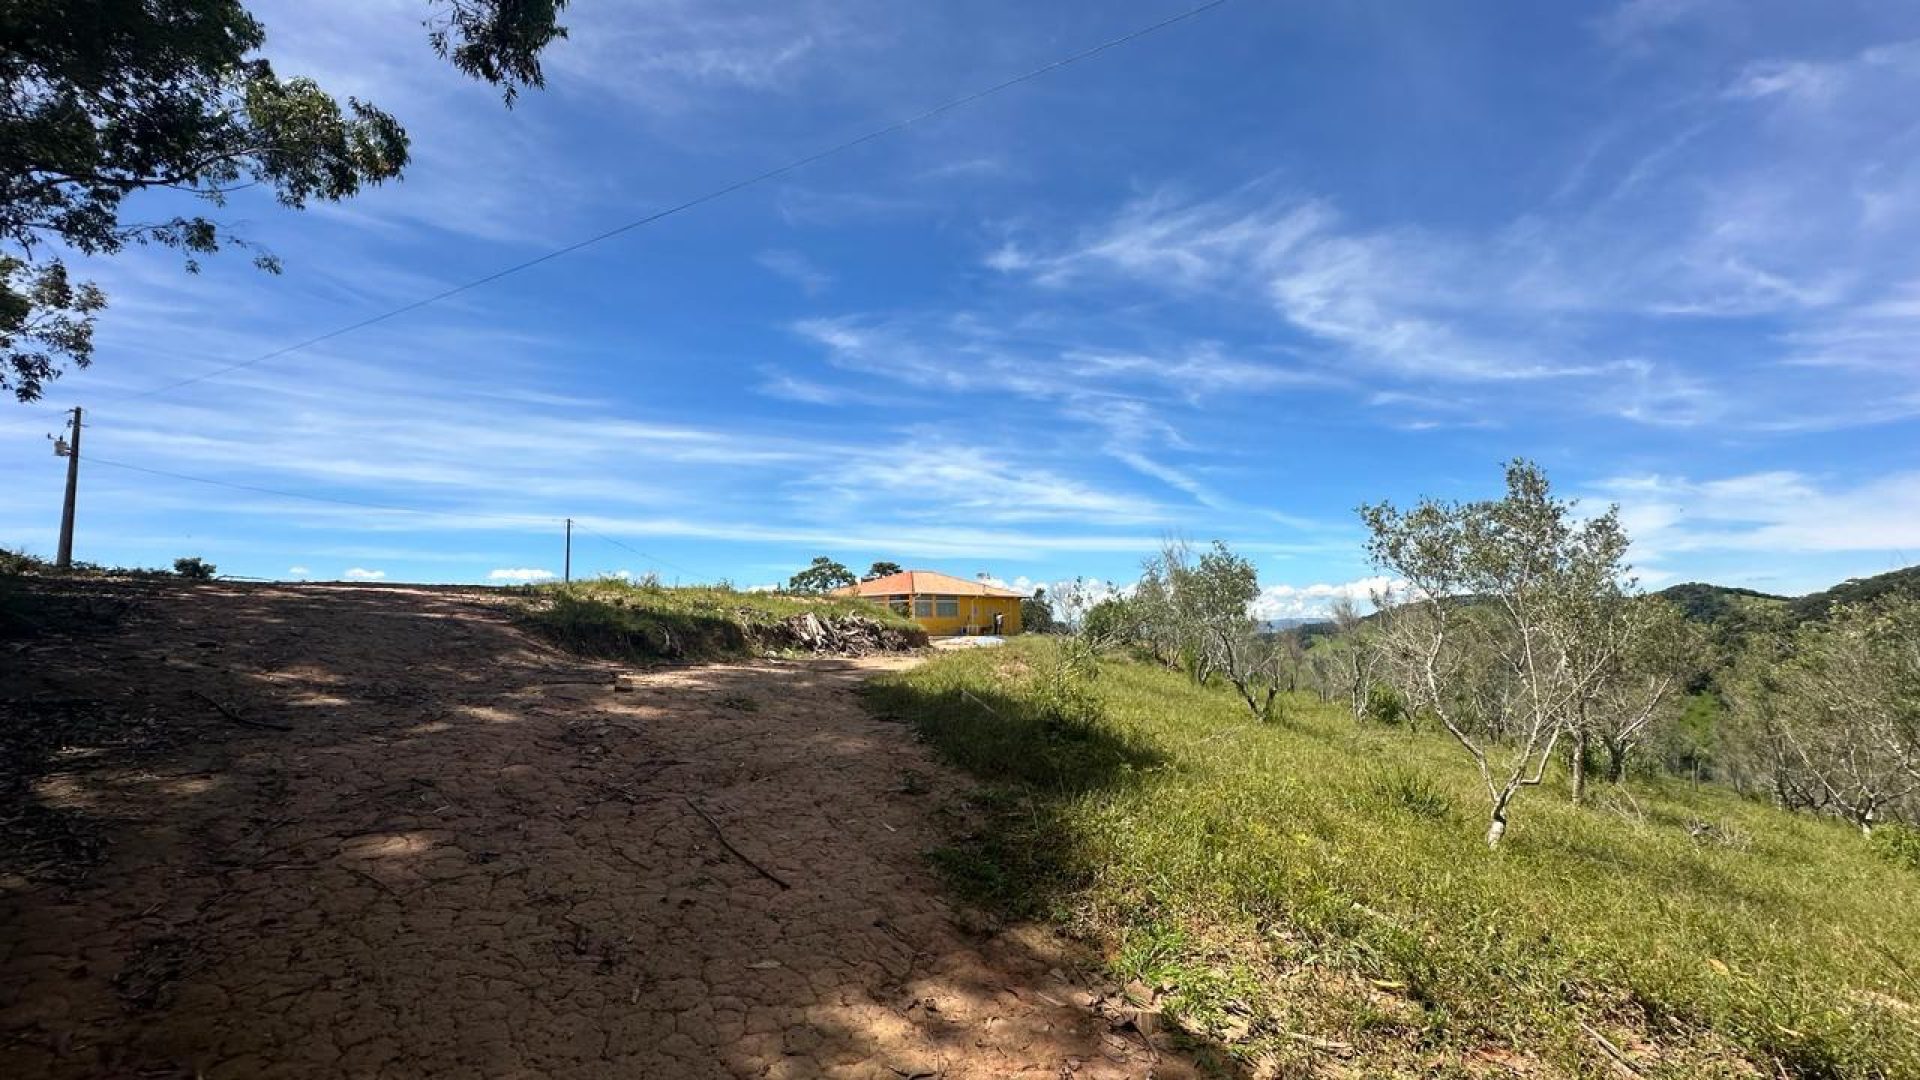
(1317, 891)
(614, 618)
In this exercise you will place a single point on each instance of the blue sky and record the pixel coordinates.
(1228, 281)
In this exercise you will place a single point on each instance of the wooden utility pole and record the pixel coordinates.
(566, 569)
(70, 448)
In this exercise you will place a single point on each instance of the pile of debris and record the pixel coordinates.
(841, 635)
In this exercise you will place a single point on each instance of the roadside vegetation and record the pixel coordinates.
(22, 564)
(644, 620)
(27, 607)
(1521, 817)
(1314, 890)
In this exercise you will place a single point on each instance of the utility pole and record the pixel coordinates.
(69, 448)
(566, 570)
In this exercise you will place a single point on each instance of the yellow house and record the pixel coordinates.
(943, 604)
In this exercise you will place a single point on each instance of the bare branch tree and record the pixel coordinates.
(1353, 652)
(1494, 638)
(1835, 709)
(1645, 652)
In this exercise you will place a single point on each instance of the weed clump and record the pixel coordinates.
(1406, 790)
(1898, 844)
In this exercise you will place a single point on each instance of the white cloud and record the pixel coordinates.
(357, 573)
(1781, 512)
(1393, 298)
(525, 575)
(297, 571)
(920, 479)
(1767, 208)
(1316, 600)
(1821, 83)
(1274, 602)
(967, 352)
(1627, 24)
(1645, 391)
(797, 268)
(779, 383)
(1813, 82)
(679, 55)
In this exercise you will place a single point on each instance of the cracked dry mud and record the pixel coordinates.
(351, 831)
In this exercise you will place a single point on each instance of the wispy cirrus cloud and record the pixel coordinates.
(1576, 305)
(1630, 23)
(674, 56)
(931, 479)
(1779, 511)
(1397, 299)
(796, 267)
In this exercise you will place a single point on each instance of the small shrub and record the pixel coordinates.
(1061, 687)
(1898, 844)
(1384, 706)
(194, 568)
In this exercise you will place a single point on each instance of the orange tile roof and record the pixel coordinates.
(925, 583)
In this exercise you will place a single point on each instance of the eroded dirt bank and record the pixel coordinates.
(347, 831)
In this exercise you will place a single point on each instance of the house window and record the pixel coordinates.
(923, 607)
(898, 604)
(947, 607)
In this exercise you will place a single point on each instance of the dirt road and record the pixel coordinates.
(346, 831)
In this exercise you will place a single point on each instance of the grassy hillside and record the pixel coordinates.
(614, 618)
(1313, 894)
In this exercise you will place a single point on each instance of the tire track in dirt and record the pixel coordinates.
(466, 854)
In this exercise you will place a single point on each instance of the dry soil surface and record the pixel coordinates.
(259, 831)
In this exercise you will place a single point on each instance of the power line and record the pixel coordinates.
(365, 505)
(717, 193)
(273, 491)
(629, 547)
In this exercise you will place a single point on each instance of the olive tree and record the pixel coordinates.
(1351, 655)
(1112, 622)
(1493, 636)
(1072, 601)
(1835, 710)
(1645, 652)
(1166, 624)
(1196, 611)
(1193, 606)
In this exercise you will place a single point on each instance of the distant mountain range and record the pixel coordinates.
(1716, 603)
(1274, 626)
(1721, 604)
